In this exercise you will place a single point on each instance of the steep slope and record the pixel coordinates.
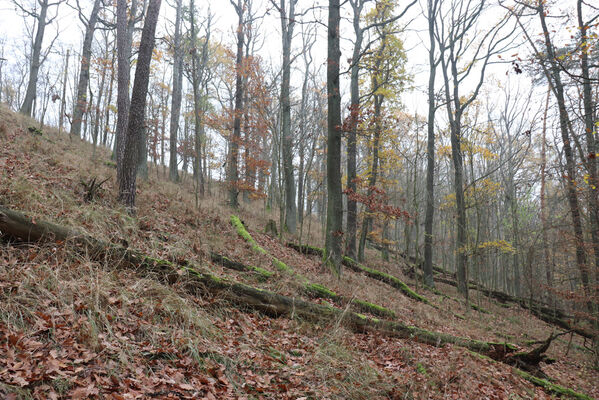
(75, 326)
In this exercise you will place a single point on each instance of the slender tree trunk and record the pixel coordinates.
(136, 123)
(334, 228)
(233, 173)
(430, 150)
(287, 25)
(124, 35)
(80, 106)
(176, 99)
(63, 99)
(109, 100)
(548, 267)
(352, 205)
(30, 94)
(558, 88)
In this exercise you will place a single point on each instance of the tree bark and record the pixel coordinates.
(30, 94)
(334, 228)
(430, 149)
(63, 99)
(80, 106)
(136, 123)
(176, 99)
(234, 141)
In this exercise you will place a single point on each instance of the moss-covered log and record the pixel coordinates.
(311, 288)
(226, 262)
(370, 272)
(547, 314)
(195, 280)
(317, 290)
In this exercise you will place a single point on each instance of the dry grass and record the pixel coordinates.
(41, 175)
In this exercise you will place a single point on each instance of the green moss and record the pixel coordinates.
(280, 265)
(421, 370)
(551, 387)
(373, 308)
(241, 231)
(263, 273)
(321, 291)
(390, 279)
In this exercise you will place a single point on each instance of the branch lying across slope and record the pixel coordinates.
(195, 280)
(314, 290)
(370, 272)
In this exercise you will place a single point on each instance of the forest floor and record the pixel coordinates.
(79, 328)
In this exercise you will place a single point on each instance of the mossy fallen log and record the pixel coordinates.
(551, 387)
(552, 316)
(245, 235)
(226, 262)
(195, 280)
(311, 288)
(317, 290)
(370, 272)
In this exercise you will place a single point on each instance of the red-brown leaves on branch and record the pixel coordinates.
(377, 201)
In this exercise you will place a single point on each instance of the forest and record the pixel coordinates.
(398, 170)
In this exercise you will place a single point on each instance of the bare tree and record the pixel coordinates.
(80, 106)
(42, 20)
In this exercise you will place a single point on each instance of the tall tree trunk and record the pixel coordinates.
(99, 102)
(287, 25)
(136, 123)
(80, 106)
(352, 205)
(558, 89)
(548, 269)
(109, 100)
(430, 149)
(176, 99)
(590, 130)
(233, 172)
(334, 228)
(367, 224)
(63, 99)
(124, 37)
(30, 94)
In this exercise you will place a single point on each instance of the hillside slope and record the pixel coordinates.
(73, 325)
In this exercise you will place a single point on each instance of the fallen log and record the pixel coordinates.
(552, 316)
(310, 288)
(195, 280)
(370, 272)
(226, 262)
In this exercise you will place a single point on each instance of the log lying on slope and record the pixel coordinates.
(370, 272)
(226, 262)
(315, 290)
(552, 316)
(196, 281)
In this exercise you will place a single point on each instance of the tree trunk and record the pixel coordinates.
(234, 141)
(352, 205)
(63, 99)
(430, 150)
(287, 25)
(334, 228)
(176, 99)
(30, 94)
(136, 123)
(80, 106)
